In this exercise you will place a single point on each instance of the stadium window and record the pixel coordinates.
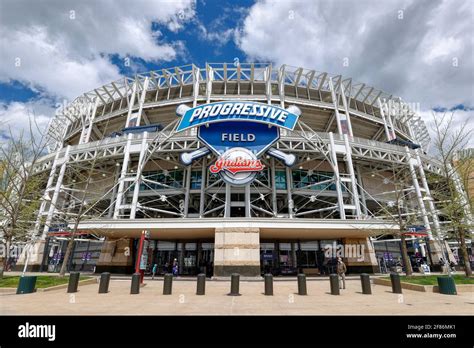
(280, 179)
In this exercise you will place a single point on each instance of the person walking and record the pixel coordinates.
(175, 267)
(155, 267)
(341, 271)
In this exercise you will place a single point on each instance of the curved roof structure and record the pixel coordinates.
(256, 81)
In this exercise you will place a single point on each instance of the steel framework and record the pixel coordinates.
(133, 194)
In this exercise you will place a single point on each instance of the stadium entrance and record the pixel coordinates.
(291, 257)
(193, 256)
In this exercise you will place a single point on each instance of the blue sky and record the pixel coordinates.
(54, 50)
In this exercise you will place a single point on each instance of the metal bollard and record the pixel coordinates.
(268, 284)
(365, 281)
(104, 283)
(234, 284)
(334, 280)
(396, 285)
(167, 284)
(302, 284)
(135, 288)
(201, 284)
(73, 282)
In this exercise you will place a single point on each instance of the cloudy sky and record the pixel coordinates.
(54, 50)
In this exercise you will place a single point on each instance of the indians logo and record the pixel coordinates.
(237, 166)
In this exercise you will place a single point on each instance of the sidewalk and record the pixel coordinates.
(285, 301)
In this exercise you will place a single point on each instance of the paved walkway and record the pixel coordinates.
(183, 301)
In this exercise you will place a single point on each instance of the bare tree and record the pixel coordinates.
(20, 188)
(454, 202)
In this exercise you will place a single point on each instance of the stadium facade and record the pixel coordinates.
(233, 168)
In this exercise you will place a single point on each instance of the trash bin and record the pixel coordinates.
(447, 286)
(27, 285)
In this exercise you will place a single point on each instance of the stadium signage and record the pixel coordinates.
(238, 133)
(237, 110)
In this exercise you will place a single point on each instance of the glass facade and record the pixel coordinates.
(292, 257)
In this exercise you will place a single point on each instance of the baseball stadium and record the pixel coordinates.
(247, 168)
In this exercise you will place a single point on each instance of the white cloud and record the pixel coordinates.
(419, 50)
(63, 47)
(15, 117)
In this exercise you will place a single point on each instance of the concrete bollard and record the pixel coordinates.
(396, 285)
(73, 282)
(104, 283)
(201, 284)
(135, 287)
(365, 281)
(268, 284)
(234, 284)
(334, 280)
(167, 284)
(302, 284)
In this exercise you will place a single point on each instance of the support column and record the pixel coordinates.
(210, 78)
(268, 83)
(237, 250)
(48, 188)
(431, 206)
(350, 167)
(91, 121)
(113, 196)
(123, 174)
(202, 198)
(57, 189)
(421, 204)
(247, 201)
(362, 193)
(228, 200)
(289, 180)
(131, 103)
(281, 85)
(195, 85)
(340, 198)
(274, 195)
(138, 179)
(85, 129)
(142, 100)
(336, 106)
(385, 125)
(187, 188)
(346, 108)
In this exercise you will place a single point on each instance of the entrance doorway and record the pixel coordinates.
(290, 257)
(193, 256)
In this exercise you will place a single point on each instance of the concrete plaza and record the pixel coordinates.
(285, 301)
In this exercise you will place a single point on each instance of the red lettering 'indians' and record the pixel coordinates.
(236, 165)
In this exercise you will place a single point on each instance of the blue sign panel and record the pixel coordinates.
(236, 110)
(254, 136)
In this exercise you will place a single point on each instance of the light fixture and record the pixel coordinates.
(175, 167)
(372, 175)
(301, 167)
(167, 158)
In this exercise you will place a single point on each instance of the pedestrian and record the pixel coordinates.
(175, 267)
(383, 266)
(341, 271)
(155, 266)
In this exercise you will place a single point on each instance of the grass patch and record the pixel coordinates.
(41, 281)
(432, 279)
